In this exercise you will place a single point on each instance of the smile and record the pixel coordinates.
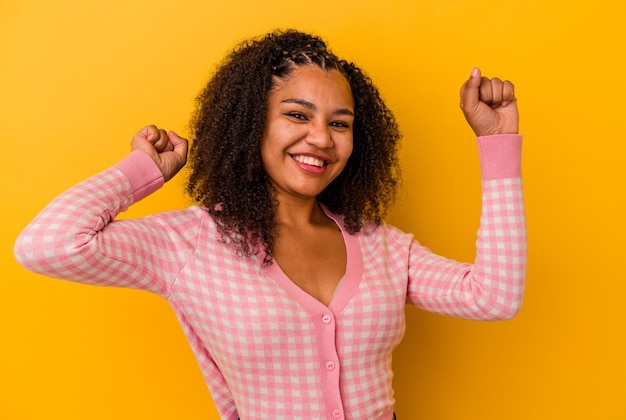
(309, 160)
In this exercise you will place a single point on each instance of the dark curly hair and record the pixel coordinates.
(226, 172)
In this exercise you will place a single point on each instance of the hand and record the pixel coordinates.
(167, 149)
(489, 105)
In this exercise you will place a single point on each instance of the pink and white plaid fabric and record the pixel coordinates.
(267, 349)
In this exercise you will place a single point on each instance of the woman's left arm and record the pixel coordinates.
(492, 288)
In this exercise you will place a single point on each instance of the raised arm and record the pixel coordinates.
(492, 287)
(76, 236)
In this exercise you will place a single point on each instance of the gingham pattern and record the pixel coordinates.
(267, 349)
(492, 288)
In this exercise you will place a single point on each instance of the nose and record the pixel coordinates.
(320, 136)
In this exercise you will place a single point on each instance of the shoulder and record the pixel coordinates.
(184, 224)
(184, 218)
(372, 230)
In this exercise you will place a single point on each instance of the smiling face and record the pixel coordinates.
(308, 131)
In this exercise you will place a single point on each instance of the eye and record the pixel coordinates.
(297, 115)
(339, 124)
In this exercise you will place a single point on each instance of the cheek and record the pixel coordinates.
(345, 152)
(269, 142)
(347, 148)
(266, 154)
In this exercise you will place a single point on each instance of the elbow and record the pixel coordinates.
(48, 255)
(503, 309)
(23, 251)
(31, 253)
(499, 298)
(507, 313)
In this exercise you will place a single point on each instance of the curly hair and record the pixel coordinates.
(226, 172)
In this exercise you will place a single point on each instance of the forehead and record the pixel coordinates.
(312, 82)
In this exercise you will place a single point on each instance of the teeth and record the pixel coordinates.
(308, 160)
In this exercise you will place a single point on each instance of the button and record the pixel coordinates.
(337, 413)
(326, 319)
(330, 365)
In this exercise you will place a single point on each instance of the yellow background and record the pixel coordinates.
(79, 78)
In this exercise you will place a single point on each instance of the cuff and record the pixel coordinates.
(142, 174)
(500, 156)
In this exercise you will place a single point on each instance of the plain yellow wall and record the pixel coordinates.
(78, 78)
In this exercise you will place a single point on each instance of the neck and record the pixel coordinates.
(299, 213)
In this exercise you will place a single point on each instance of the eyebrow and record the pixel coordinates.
(312, 107)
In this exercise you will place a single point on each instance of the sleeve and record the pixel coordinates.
(76, 237)
(492, 287)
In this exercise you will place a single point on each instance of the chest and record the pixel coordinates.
(314, 263)
(264, 319)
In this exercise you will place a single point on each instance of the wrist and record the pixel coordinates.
(143, 174)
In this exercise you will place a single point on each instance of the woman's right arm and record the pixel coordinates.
(77, 238)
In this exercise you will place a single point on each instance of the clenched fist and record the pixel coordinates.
(489, 105)
(167, 149)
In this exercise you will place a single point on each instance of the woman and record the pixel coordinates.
(288, 284)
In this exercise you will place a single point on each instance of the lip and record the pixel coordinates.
(309, 162)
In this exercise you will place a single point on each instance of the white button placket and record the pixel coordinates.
(330, 365)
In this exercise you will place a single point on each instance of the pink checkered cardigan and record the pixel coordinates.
(267, 349)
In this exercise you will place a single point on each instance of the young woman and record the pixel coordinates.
(287, 282)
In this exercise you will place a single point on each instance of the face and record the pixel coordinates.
(308, 131)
